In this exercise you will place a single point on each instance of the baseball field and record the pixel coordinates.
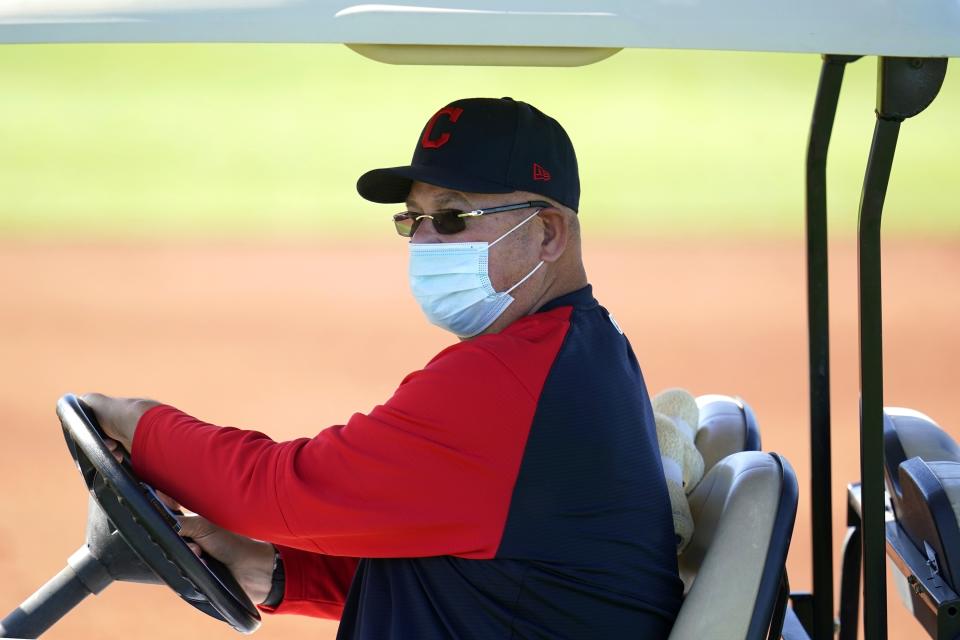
(181, 223)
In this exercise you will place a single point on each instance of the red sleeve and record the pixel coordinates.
(316, 585)
(431, 472)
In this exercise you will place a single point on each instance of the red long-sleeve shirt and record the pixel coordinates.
(520, 462)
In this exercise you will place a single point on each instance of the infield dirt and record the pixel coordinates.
(291, 338)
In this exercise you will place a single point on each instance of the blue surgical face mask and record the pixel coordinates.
(452, 286)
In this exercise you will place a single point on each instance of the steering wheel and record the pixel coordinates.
(135, 515)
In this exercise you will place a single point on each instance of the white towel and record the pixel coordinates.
(677, 418)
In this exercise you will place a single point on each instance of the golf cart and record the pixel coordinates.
(911, 68)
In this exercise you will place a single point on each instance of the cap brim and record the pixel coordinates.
(393, 184)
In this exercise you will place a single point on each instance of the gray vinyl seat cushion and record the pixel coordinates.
(930, 513)
(910, 434)
(920, 436)
(743, 510)
(922, 470)
(948, 473)
(727, 425)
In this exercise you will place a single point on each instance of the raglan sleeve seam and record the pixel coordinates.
(509, 369)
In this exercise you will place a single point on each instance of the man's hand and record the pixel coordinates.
(118, 417)
(250, 561)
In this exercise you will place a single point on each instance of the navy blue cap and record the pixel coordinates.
(485, 145)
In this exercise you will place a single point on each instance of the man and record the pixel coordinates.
(512, 488)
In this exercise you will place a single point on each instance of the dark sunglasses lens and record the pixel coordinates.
(448, 222)
(405, 224)
(444, 222)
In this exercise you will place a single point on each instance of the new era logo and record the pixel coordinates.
(539, 173)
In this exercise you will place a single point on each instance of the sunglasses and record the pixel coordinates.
(448, 221)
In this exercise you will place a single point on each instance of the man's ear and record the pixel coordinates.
(556, 232)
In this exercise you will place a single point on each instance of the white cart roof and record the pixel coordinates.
(874, 27)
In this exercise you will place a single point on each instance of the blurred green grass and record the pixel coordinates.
(238, 141)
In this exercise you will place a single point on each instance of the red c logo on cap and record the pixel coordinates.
(453, 113)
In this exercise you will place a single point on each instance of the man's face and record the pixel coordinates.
(510, 259)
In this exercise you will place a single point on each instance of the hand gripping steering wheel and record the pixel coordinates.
(131, 536)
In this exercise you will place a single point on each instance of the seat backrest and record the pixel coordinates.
(727, 425)
(743, 511)
(910, 434)
(930, 512)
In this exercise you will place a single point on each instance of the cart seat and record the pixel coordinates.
(733, 568)
(727, 425)
(910, 434)
(922, 470)
(930, 511)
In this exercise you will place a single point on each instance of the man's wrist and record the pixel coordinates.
(277, 582)
(138, 409)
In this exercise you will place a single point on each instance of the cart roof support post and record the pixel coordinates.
(821, 626)
(905, 87)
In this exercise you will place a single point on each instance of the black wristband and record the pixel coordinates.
(278, 583)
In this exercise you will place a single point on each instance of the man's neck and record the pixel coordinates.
(560, 287)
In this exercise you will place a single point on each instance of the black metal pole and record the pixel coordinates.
(871, 378)
(83, 575)
(818, 329)
(905, 87)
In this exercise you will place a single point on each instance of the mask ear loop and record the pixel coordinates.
(523, 222)
(524, 278)
(540, 264)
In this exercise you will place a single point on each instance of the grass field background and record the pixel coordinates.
(255, 141)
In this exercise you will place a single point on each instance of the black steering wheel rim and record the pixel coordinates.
(143, 525)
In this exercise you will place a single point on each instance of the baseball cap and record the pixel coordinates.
(485, 145)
